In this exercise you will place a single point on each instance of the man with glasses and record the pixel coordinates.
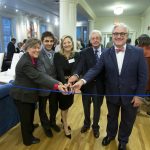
(125, 80)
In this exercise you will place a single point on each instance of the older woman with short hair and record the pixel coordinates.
(25, 92)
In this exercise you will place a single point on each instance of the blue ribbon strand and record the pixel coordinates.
(87, 94)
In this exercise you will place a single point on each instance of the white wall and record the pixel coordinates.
(145, 22)
(105, 24)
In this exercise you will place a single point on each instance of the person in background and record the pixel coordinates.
(82, 43)
(89, 58)
(65, 62)
(19, 45)
(11, 49)
(22, 49)
(128, 41)
(144, 42)
(110, 43)
(27, 77)
(125, 81)
(46, 65)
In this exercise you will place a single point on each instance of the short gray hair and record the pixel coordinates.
(31, 42)
(95, 31)
(120, 25)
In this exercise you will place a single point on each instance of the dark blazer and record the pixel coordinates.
(87, 61)
(132, 79)
(28, 76)
(63, 67)
(10, 50)
(47, 66)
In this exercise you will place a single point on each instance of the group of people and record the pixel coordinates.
(114, 72)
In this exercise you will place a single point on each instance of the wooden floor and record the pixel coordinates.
(139, 140)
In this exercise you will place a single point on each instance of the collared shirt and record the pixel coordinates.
(120, 58)
(99, 51)
(50, 54)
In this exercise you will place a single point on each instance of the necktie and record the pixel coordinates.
(119, 50)
(96, 55)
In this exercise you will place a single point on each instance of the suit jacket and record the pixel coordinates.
(133, 77)
(46, 65)
(28, 76)
(10, 50)
(87, 61)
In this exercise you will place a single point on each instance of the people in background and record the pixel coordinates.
(27, 79)
(11, 49)
(65, 62)
(82, 43)
(125, 82)
(144, 42)
(128, 41)
(18, 48)
(46, 65)
(22, 49)
(110, 43)
(89, 58)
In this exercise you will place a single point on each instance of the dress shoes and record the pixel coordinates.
(48, 132)
(122, 146)
(106, 140)
(84, 129)
(96, 134)
(33, 141)
(55, 127)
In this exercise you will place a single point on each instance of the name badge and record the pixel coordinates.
(71, 60)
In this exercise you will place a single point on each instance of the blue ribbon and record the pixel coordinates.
(87, 94)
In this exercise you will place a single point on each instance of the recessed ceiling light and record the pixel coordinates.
(118, 10)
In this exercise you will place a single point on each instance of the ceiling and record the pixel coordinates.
(100, 7)
(131, 7)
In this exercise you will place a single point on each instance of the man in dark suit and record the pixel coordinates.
(11, 49)
(89, 57)
(125, 79)
(46, 65)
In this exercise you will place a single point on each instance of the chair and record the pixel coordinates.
(1, 60)
(7, 76)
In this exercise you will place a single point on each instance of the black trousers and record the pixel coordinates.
(128, 116)
(26, 113)
(53, 108)
(97, 102)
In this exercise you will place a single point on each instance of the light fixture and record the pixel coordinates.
(56, 22)
(118, 10)
(47, 20)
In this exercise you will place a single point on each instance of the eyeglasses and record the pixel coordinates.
(122, 34)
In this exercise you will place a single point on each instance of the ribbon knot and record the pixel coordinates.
(119, 50)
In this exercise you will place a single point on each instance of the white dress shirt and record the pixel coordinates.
(120, 58)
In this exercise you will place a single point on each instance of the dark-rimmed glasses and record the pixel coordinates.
(122, 34)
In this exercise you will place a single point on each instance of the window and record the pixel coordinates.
(43, 28)
(6, 31)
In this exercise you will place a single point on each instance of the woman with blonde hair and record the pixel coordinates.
(65, 62)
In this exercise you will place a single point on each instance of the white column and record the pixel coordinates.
(72, 19)
(91, 25)
(64, 20)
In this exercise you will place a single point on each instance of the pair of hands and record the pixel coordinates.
(70, 87)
